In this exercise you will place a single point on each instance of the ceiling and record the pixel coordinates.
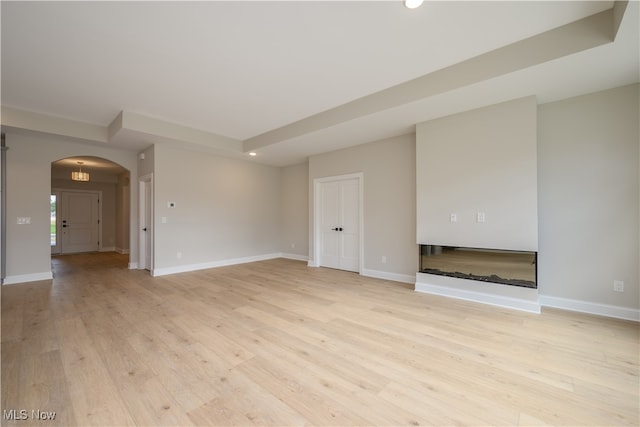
(89, 164)
(292, 79)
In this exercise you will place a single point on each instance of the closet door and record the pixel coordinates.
(340, 224)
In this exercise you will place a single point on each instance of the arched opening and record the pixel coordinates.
(90, 212)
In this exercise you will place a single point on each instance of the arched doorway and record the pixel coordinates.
(90, 211)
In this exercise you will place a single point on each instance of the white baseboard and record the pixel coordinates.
(295, 257)
(133, 266)
(24, 278)
(385, 275)
(497, 300)
(122, 251)
(213, 264)
(513, 297)
(395, 277)
(591, 307)
(108, 249)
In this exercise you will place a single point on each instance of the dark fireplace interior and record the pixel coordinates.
(514, 268)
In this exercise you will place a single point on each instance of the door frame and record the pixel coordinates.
(145, 184)
(317, 213)
(57, 192)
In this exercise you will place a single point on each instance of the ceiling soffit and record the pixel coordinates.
(135, 131)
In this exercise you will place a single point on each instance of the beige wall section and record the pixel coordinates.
(146, 165)
(484, 161)
(123, 208)
(388, 167)
(29, 160)
(589, 191)
(224, 210)
(294, 219)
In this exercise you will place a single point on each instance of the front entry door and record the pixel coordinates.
(78, 222)
(340, 224)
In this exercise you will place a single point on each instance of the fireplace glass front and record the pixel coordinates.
(514, 268)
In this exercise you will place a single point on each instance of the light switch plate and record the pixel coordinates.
(23, 220)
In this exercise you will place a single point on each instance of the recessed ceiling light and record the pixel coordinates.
(412, 4)
(253, 153)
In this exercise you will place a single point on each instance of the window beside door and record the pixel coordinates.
(54, 235)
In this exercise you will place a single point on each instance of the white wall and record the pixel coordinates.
(294, 217)
(146, 166)
(388, 167)
(588, 206)
(122, 213)
(225, 210)
(482, 160)
(28, 188)
(589, 198)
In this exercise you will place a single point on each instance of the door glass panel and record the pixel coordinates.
(53, 202)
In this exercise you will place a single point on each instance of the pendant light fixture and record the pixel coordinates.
(79, 175)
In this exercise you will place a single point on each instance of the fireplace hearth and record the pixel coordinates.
(514, 268)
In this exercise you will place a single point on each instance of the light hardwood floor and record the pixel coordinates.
(279, 343)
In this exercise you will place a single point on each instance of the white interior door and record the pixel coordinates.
(146, 223)
(79, 221)
(330, 220)
(339, 220)
(350, 230)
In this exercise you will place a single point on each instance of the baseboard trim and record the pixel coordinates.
(607, 310)
(107, 249)
(133, 266)
(122, 251)
(484, 298)
(395, 277)
(24, 278)
(213, 264)
(294, 257)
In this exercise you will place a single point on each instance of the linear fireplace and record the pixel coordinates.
(516, 268)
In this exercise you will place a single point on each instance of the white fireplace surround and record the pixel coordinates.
(476, 186)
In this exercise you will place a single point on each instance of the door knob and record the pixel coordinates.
(340, 229)
(144, 229)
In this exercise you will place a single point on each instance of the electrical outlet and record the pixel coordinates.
(293, 246)
(453, 217)
(480, 217)
(618, 285)
(384, 259)
(179, 255)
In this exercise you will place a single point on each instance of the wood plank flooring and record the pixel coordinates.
(277, 343)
